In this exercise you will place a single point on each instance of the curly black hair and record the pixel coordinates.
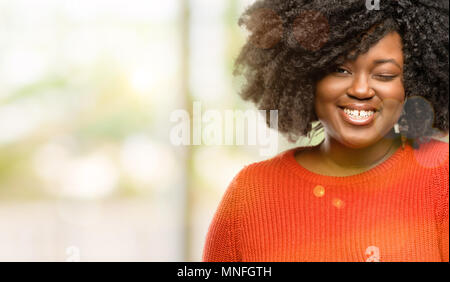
(292, 44)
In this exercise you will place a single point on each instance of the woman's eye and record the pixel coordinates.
(342, 71)
(386, 77)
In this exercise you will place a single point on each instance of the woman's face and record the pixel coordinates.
(374, 81)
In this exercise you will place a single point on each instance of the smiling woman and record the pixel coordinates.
(376, 187)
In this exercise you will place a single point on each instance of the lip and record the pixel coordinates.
(357, 122)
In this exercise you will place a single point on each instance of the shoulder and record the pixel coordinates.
(435, 145)
(261, 179)
(263, 170)
(433, 154)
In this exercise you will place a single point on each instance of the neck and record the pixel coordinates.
(342, 157)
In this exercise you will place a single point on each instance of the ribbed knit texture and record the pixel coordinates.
(277, 210)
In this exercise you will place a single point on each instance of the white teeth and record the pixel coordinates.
(359, 114)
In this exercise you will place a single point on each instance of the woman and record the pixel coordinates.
(376, 188)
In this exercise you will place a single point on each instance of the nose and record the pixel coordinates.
(360, 88)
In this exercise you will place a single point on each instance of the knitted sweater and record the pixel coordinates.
(277, 210)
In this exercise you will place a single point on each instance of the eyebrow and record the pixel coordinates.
(384, 61)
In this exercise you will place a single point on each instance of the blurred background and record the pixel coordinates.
(87, 87)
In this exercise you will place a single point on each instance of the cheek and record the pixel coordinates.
(328, 91)
(391, 91)
(392, 109)
(392, 96)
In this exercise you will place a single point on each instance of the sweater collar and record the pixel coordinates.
(378, 172)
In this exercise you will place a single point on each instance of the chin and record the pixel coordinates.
(357, 143)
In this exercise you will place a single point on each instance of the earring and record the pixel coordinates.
(397, 127)
(402, 137)
(403, 141)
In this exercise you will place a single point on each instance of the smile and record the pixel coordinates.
(359, 118)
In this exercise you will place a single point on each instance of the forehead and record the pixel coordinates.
(390, 46)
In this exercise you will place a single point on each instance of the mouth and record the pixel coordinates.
(358, 118)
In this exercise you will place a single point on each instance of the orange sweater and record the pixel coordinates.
(276, 210)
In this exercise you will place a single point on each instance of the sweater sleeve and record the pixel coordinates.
(221, 243)
(443, 212)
